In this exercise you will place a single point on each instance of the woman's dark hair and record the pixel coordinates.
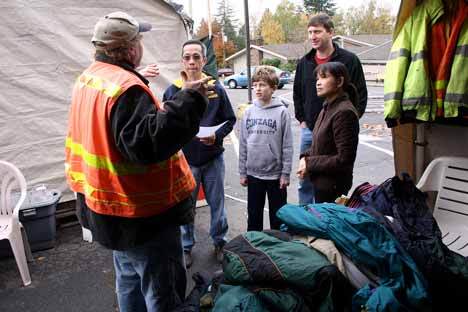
(338, 70)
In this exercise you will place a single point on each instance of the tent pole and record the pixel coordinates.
(247, 49)
(210, 30)
(190, 8)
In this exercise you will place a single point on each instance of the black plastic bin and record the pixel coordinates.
(37, 214)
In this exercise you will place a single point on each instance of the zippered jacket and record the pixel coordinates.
(409, 92)
(218, 110)
(307, 105)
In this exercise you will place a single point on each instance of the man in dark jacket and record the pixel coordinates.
(307, 104)
(119, 138)
(205, 153)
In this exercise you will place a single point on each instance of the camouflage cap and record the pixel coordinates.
(116, 29)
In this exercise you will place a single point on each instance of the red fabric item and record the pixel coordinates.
(442, 48)
(319, 60)
(201, 193)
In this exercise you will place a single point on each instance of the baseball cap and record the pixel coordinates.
(116, 29)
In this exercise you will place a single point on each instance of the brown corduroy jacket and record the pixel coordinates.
(330, 160)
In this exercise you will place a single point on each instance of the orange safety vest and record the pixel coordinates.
(94, 166)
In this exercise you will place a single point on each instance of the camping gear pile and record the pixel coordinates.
(382, 251)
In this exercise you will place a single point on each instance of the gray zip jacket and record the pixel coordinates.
(266, 144)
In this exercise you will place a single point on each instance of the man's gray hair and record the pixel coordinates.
(120, 53)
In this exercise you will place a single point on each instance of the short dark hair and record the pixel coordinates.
(195, 41)
(321, 19)
(266, 74)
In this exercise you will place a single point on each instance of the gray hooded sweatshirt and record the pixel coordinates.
(266, 145)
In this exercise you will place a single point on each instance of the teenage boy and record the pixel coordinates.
(307, 105)
(265, 151)
(205, 155)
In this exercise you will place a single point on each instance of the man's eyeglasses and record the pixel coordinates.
(195, 57)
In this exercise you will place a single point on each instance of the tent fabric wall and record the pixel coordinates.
(44, 46)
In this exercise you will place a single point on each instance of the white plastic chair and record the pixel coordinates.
(12, 196)
(449, 177)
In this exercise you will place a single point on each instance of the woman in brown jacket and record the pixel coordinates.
(329, 162)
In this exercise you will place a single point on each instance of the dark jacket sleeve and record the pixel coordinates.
(169, 92)
(346, 137)
(359, 81)
(225, 113)
(298, 97)
(146, 135)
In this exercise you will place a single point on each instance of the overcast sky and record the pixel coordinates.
(256, 7)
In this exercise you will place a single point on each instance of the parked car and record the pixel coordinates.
(240, 79)
(225, 72)
(292, 76)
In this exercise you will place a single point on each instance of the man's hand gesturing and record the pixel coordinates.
(201, 85)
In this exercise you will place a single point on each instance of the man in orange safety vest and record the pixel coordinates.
(123, 160)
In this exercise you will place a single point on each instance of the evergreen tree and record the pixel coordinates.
(240, 39)
(225, 18)
(316, 6)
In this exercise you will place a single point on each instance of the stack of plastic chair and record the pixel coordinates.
(449, 177)
(12, 196)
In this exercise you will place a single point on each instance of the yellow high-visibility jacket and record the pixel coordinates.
(407, 82)
(456, 95)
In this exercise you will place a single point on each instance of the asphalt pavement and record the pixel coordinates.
(78, 276)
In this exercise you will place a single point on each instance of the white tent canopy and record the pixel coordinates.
(44, 46)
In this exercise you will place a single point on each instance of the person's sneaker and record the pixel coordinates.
(188, 259)
(219, 253)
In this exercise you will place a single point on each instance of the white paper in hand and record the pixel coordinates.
(205, 132)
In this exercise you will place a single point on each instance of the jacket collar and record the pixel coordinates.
(311, 55)
(327, 106)
(179, 82)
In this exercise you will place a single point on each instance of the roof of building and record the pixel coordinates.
(366, 47)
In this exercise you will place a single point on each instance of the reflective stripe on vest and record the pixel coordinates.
(407, 84)
(456, 95)
(95, 167)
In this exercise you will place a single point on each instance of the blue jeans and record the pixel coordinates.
(211, 176)
(305, 188)
(151, 277)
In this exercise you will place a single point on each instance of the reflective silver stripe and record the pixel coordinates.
(462, 50)
(400, 53)
(418, 56)
(457, 98)
(393, 96)
(417, 101)
(406, 53)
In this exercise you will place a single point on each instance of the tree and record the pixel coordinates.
(270, 30)
(316, 6)
(366, 19)
(339, 23)
(221, 48)
(202, 30)
(272, 62)
(292, 21)
(225, 17)
(240, 38)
